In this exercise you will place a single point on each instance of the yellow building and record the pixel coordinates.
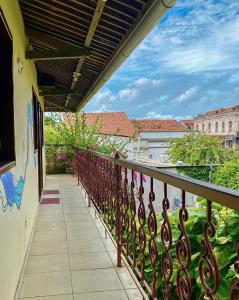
(64, 51)
(54, 56)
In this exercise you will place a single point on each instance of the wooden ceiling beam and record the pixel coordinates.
(48, 40)
(94, 23)
(57, 92)
(59, 106)
(57, 54)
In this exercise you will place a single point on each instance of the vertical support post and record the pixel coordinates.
(118, 210)
(78, 168)
(78, 175)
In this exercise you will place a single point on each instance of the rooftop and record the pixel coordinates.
(220, 111)
(113, 123)
(158, 125)
(190, 122)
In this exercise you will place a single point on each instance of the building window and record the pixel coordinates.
(38, 123)
(223, 126)
(203, 127)
(230, 126)
(7, 140)
(209, 127)
(197, 127)
(216, 127)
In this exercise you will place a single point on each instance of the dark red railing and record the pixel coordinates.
(140, 230)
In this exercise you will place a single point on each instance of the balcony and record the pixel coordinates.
(112, 235)
(71, 251)
(157, 242)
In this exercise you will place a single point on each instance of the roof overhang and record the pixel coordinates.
(78, 44)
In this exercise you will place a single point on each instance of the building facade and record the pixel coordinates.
(188, 124)
(116, 125)
(223, 123)
(143, 138)
(20, 147)
(154, 137)
(42, 56)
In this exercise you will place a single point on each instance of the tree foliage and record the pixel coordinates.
(201, 149)
(64, 131)
(228, 175)
(196, 149)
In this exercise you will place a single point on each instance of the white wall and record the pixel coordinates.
(162, 135)
(123, 139)
(155, 143)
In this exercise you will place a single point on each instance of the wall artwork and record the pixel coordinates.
(12, 187)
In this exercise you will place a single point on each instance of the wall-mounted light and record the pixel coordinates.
(76, 75)
(20, 65)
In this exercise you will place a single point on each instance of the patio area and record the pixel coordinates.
(71, 256)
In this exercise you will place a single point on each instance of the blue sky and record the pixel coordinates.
(187, 65)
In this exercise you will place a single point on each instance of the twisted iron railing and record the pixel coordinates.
(163, 263)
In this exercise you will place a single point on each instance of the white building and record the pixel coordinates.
(154, 136)
(116, 125)
(223, 123)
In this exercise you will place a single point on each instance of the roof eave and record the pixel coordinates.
(154, 13)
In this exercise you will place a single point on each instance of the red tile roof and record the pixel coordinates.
(113, 123)
(186, 122)
(158, 125)
(222, 110)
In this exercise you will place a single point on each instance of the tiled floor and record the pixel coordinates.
(70, 257)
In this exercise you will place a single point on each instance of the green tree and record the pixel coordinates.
(231, 153)
(228, 175)
(64, 131)
(196, 149)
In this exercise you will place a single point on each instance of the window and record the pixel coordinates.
(203, 127)
(223, 126)
(197, 127)
(7, 140)
(230, 126)
(209, 127)
(38, 123)
(216, 127)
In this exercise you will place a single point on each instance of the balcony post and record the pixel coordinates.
(118, 217)
(78, 167)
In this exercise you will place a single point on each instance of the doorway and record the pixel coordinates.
(38, 139)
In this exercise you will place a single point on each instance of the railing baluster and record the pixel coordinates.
(142, 221)
(153, 230)
(108, 188)
(235, 285)
(208, 266)
(183, 252)
(166, 238)
(118, 211)
(126, 211)
(112, 196)
(133, 218)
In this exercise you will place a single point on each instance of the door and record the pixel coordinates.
(38, 139)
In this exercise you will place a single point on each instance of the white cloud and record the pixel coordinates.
(186, 95)
(187, 65)
(196, 36)
(154, 115)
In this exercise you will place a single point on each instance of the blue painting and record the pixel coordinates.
(13, 187)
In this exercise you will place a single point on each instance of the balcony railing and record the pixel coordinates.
(144, 233)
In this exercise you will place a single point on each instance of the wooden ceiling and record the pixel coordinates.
(73, 41)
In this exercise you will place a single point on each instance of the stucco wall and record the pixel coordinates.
(17, 213)
(155, 143)
(125, 140)
(226, 118)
